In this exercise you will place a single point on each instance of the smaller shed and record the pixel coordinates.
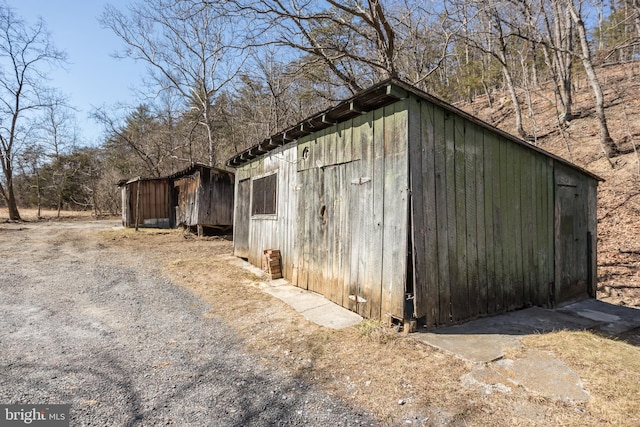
(203, 197)
(199, 196)
(145, 202)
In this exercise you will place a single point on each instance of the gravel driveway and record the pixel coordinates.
(99, 328)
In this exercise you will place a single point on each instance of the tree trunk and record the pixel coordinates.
(514, 99)
(608, 145)
(8, 194)
(39, 196)
(12, 205)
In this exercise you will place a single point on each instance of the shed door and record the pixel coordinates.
(243, 216)
(572, 258)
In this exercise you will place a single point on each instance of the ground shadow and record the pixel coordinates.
(599, 316)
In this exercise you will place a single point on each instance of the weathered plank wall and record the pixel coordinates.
(242, 217)
(154, 203)
(253, 234)
(482, 216)
(477, 236)
(205, 197)
(185, 191)
(341, 222)
(575, 235)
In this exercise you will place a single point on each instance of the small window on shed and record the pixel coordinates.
(263, 200)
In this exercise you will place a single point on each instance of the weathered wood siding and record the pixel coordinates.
(154, 203)
(575, 235)
(482, 216)
(254, 234)
(342, 204)
(492, 227)
(418, 202)
(242, 218)
(204, 197)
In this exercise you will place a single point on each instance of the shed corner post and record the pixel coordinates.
(137, 204)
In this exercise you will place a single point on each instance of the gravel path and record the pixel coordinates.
(100, 329)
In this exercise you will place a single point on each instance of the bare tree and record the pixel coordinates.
(486, 30)
(26, 55)
(190, 49)
(354, 39)
(56, 132)
(137, 140)
(608, 145)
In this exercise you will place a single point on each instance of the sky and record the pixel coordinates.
(92, 77)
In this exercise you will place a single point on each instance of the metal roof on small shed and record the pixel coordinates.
(380, 95)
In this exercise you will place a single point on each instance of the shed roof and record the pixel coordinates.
(194, 166)
(380, 95)
(187, 171)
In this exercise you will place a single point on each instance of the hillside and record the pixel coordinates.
(619, 193)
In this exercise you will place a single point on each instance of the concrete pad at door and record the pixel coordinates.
(314, 307)
(537, 372)
(478, 348)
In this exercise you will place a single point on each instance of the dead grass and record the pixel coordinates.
(31, 215)
(610, 371)
(372, 366)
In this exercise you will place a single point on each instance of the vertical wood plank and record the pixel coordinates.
(337, 143)
(365, 216)
(460, 289)
(304, 233)
(442, 208)
(516, 227)
(347, 140)
(417, 189)
(472, 153)
(344, 236)
(372, 286)
(318, 233)
(528, 202)
(395, 214)
(490, 171)
(354, 217)
(431, 220)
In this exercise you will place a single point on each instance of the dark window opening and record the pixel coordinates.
(264, 195)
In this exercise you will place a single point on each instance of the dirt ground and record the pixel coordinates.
(375, 375)
(94, 324)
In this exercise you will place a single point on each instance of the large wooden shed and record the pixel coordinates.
(398, 205)
(199, 196)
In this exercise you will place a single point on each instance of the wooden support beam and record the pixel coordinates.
(395, 91)
(287, 138)
(356, 108)
(306, 128)
(327, 120)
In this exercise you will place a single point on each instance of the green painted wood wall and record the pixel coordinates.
(484, 218)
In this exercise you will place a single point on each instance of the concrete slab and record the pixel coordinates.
(477, 348)
(608, 318)
(537, 372)
(484, 340)
(314, 307)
